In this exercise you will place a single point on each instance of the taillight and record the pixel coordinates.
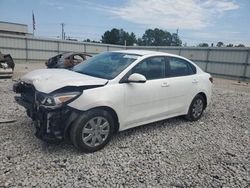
(211, 79)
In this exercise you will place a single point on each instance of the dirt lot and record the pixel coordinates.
(212, 152)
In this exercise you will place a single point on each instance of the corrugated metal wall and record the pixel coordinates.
(225, 62)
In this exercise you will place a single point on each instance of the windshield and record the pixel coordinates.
(106, 65)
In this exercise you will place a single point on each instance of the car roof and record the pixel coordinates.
(146, 52)
(67, 54)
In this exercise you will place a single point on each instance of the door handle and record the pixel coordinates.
(165, 84)
(195, 81)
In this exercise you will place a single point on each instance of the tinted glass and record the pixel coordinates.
(179, 67)
(151, 68)
(106, 65)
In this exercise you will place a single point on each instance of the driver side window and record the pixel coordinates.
(152, 68)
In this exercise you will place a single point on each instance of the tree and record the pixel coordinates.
(111, 37)
(93, 41)
(87, 40)
(230, 45)
(116, 36)
(131, 39)
(176, 40)
(139, 41)
(203, 45)
(240, 45)
(148, 38)
(158, 37)
(151, 37)
(220, 44)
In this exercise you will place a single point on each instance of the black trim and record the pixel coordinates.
(127, 81)
(75, 88)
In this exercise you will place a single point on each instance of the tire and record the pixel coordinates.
(196, 108)
(92, 130)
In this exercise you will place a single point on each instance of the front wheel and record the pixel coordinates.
(92, 131)
(196, 108)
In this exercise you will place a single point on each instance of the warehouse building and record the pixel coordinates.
(14, 29)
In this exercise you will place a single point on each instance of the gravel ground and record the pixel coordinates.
(212, 152)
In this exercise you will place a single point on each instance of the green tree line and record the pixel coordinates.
(151, 37)
(220, 44)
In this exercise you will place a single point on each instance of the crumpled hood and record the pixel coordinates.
(48, 80)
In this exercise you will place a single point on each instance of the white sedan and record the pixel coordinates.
(111, 92)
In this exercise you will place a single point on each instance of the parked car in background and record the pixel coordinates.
(7, 65)
(67, 60)
(111, 92)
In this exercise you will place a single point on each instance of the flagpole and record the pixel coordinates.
(33, 23)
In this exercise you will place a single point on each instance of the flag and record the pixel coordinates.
(33, 21)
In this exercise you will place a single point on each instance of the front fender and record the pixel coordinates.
(111, 96)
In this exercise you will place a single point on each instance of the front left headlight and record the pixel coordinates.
(58, 100)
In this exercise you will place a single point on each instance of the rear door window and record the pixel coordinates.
(179, 67)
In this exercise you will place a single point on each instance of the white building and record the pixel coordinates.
(13, 28)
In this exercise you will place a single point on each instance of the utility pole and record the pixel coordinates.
(63, 34)
(177, 37)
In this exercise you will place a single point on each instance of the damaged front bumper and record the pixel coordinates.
(51, 124)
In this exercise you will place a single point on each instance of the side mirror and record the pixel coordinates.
(137, 78)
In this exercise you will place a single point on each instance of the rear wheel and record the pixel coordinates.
(92, 131)
(196, 108)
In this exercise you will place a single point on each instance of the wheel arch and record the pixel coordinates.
(112, 113)
(205, 98)
(106, 108)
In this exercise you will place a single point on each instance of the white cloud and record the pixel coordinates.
(185, 14)
(220, 6)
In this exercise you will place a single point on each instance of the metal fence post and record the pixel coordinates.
(26, 50)
(84, 45)
(58, 47)
(244, 76)
(207, 59)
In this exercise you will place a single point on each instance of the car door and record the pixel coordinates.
(183, 84)
(146, 101)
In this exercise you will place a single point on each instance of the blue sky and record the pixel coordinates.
(198, 20)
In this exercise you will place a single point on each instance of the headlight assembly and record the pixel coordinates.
(56, 100)
(64, 98)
